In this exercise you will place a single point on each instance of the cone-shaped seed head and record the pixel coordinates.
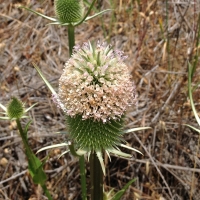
(68, 11)
(95, 89)
(15, 109)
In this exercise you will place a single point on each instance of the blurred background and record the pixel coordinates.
(160, 38)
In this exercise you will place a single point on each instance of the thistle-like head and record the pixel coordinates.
(15, 109)
(68, 11)
(95, 90)
(96, 83)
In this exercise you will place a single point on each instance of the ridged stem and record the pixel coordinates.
(83, 178)
(25, 142)
(96, 178)
(71, 38)
(82, 171)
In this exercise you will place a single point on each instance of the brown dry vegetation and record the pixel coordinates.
(159, 36)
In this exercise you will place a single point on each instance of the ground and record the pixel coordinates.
(160, 38)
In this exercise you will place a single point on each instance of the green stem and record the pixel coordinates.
(33, 160)
(71, 38)
(96, 178)
(83, 179)
(25, 142)
(82, 171)
(46, 191)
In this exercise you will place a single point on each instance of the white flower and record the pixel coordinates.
(96, 83)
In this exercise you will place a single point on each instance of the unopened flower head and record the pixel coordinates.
(15, 109)
(68, 11)
(96, 83)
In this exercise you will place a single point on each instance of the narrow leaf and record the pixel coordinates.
(63, 154)
(192, 128)
(120, 193)
(52, 146)
(135, 129)
(26, 128)
(131, 148)
(30, 107)
(97, 14)
(190, 93)
(58, 23)
(37, 13)
(4, 118)
(44, 79)
(3, 107)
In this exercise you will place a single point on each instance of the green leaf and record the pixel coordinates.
(39, 176)
(33, 163)
(26, 128)
(36, 170)
(120, 193)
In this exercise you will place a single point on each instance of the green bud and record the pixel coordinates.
(93, 135)
(68, 11)
(15, 109)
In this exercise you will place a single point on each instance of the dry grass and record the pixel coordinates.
(159, 37)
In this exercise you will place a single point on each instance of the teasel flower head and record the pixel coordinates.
(95, 90)
(68, 11)
(96, 84)
(15, 109)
